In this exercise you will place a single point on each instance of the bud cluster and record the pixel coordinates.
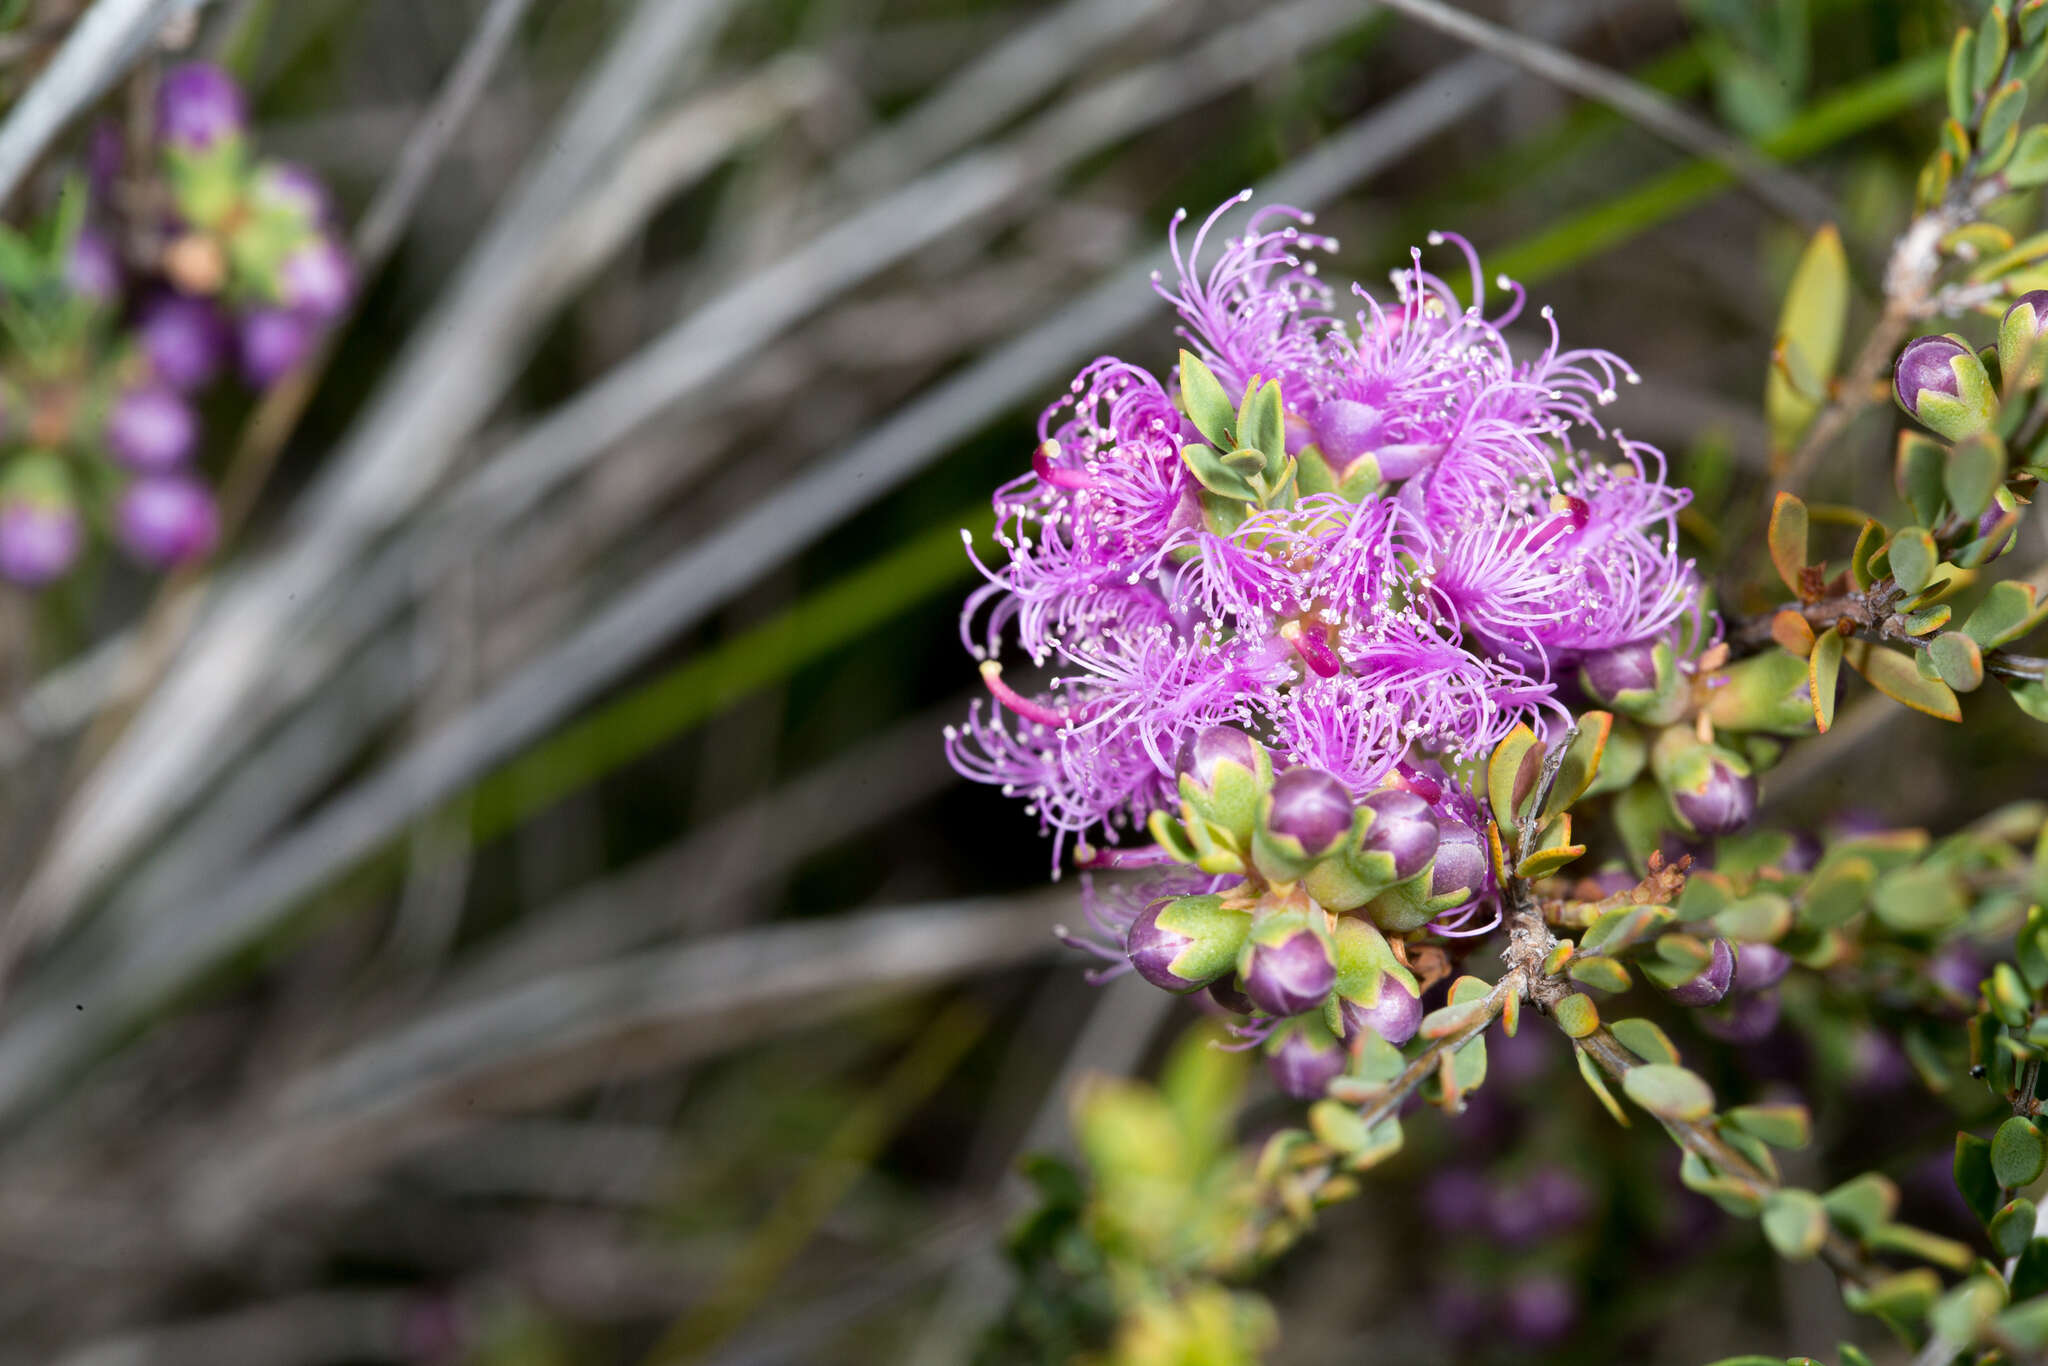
(162, 273)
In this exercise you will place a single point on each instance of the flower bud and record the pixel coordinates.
(92, 269)
(317, 280)
(1304, 1059)
(1286, 968)
(1759, 967)
(39, 537)
(1640, 679)
(1223, 773)
(1183, 944)
(151, 429)
(2023, 341)
(1403, 828)
(273, 341)
(198, 107)
(184, 341)
(1710, 983)
(1303, 818)
(1940, 381)
(1462, 861)
(1711, 788)
(167, 519)
(1394, 1017)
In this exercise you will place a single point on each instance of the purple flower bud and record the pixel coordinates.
(39, 539)
(1289, 977)
(1152, 948)
(1201, 752)
(1311, 807)
(1540, 1307)
(273, 343)
(2036, 299)
(291, 187)
(317, 280)
(93, 269)
(1607, 674)
(152, 429)
(1223, 991)
(1925, 364)
(185, 341)
(1461, 860)
(199, 105)
(166, 520)
(1394, 1017)
(1346, 429)
(1720, 804)
(1710, 984)
(1742, 1019)
(1759, 967)
(1304, 1065)
(1405, 827)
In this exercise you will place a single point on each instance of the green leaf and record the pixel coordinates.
(1260, 426)
(1862, 1204)
(1823, 676)
(2030, 695)
(1962, 58)
(2028, 165)
(1913, 558)
(2002, 116)
(2018, 1153)
(1896, 676)
(1511, 774)
(1976, 468)
(1958, 660)
(1975, 1180)
(1928, 1247)
(2025, 1324)
(1544, 862)
(2012, 1228)
(1919, 899)
(1589, 1072)
(1598, 971)
(1218, 475)
(1581, 762)
(1810, 326)
(2030, 1277)
(1837, 891)
(1781, 1126)
(1869, 541)
(1207, 404)
(1795, 1223)
(2008, 612)
(1920, 472)
(1669, 1092)
(1787, 538)
(1644, 1039)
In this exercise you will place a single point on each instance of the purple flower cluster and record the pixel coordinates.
(240, 268)
(1442, 550)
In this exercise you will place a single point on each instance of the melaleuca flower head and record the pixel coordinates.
(1349, 624)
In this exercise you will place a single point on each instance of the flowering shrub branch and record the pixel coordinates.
(1352, 621)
